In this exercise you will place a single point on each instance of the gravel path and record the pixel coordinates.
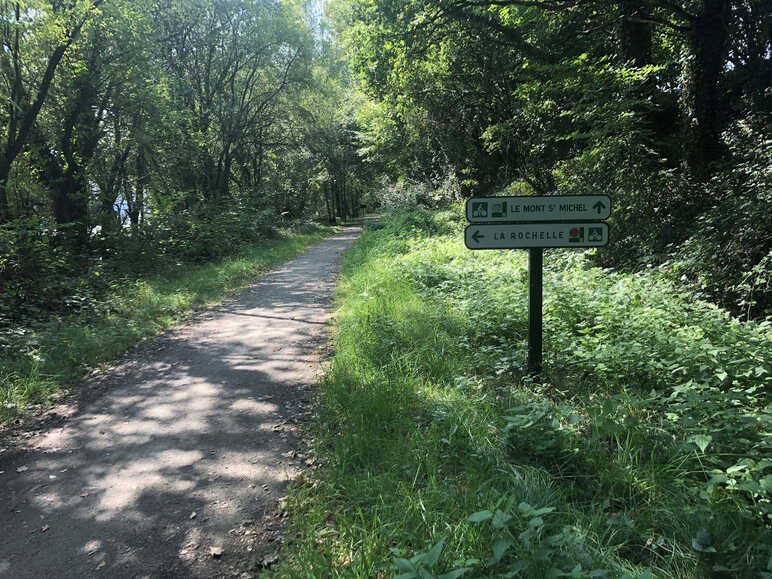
(173, 463)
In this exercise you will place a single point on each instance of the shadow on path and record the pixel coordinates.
(187, 451)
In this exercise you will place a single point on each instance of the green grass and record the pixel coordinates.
(37, 360)
(643, 451)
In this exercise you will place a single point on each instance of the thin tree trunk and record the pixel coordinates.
(635, 35)
(5, 169)
(139, 193)
(708, 40)
(328, 202)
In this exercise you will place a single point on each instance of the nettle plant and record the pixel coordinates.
(424, 565)
(527, 542)
(524, 542)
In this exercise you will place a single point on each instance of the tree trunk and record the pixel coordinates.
(705, 116)
(338, 204)
(139, 192)
(70, 203)
(329, 203)
(23, 120)
(5, 212)
(635, 36)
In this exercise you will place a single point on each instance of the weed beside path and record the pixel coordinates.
(644, 451)
(36, 360)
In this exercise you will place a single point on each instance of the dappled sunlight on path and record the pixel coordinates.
(188, 450)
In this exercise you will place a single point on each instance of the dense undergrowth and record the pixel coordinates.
(93, 315)
(643, 451)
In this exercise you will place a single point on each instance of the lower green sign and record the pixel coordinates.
(521, 235)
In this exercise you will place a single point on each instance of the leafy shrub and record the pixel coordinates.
(714, 236)
(402, 196)
(199, 238)
(729, 255)
(36, 273)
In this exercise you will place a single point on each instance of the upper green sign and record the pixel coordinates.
(530, 208)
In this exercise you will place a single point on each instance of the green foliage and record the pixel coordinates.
(729, 255)
(125, 151)
(643, 451)
(657, 111)
(186, 237)
(551, 551)
(420, 566)
(34, 272)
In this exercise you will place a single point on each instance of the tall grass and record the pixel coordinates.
(37, 360)
(643, 450)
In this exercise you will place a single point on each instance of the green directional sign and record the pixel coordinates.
(533, 223)
(522, 235)
(530, 208)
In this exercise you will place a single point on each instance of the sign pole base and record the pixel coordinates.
(535, 277)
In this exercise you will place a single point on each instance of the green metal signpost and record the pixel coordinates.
(533, 223)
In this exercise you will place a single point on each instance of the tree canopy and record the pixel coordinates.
(184, 125)
(657, 103)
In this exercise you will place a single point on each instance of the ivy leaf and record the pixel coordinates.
(404, 565)
(432, 556)
(500, 519)
(701, 440)
(703, 542)
(736, 468)
(455, 573)
(500, 549)
(480, 516)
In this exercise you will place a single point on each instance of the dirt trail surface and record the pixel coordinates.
(175, 466)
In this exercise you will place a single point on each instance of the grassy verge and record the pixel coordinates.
(36, 361)
(644, 451)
